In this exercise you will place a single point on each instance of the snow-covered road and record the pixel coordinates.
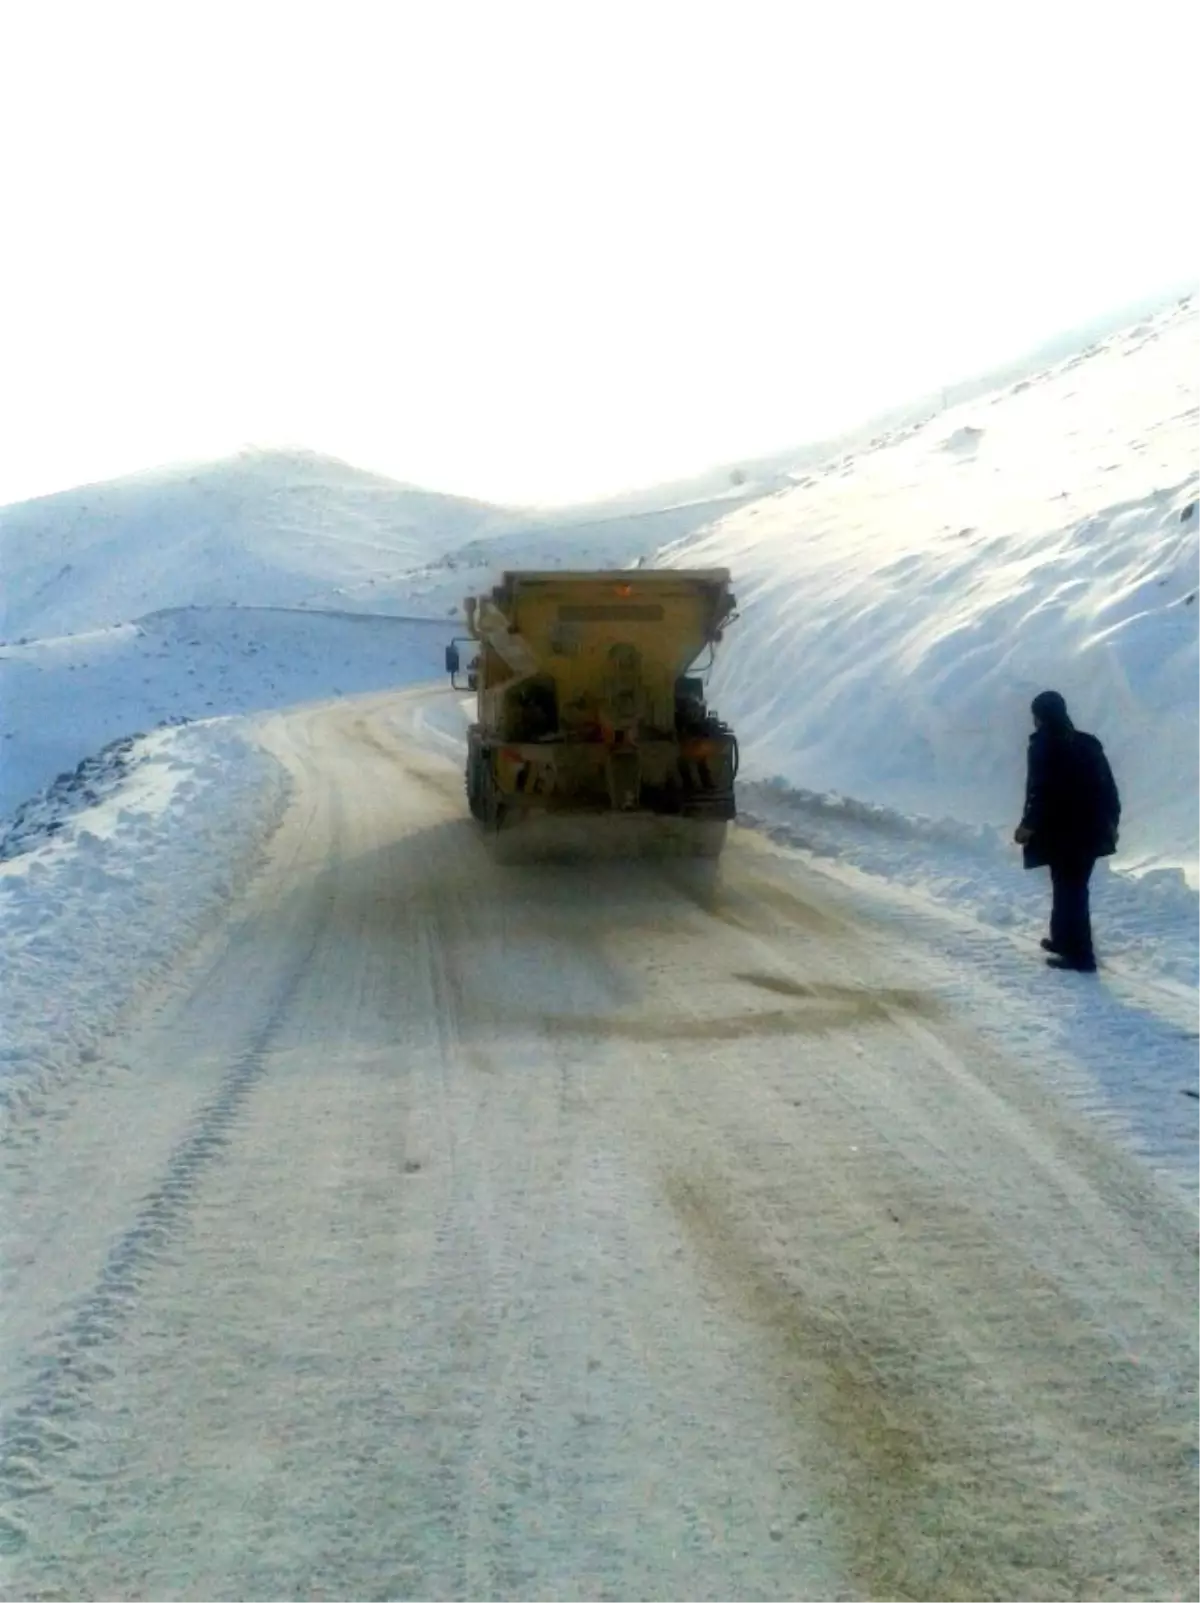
(445, 1230)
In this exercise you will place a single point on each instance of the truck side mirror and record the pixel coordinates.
(452, 661)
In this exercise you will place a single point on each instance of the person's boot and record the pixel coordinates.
(1076, 965)
(1048, 945)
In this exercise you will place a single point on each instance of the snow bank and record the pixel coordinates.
(1147, 922)
(103, 893)
(900, 608)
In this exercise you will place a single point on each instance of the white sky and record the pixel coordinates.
(534, 252)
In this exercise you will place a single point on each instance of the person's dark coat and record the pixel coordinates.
(1072, 808)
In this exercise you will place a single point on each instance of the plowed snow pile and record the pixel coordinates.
(901, 607)
(106, 887)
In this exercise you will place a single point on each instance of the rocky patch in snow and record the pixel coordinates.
(90, 782)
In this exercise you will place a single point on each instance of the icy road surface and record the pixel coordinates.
(445, 1230)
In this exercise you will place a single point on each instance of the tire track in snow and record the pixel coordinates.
(36, 1433)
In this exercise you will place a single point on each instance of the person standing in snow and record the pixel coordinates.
(1072, 811)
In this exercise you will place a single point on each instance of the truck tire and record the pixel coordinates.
(494, 810)
(475, 782)
(482, 797)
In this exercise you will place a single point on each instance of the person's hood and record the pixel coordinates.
(1050, 709)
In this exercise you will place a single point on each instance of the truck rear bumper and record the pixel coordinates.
(653, 778)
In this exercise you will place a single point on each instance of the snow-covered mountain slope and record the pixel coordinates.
(63, 698)
(262, 528)
(599, 540)
(900, 607)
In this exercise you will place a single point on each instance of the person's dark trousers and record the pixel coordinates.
(1070, 915)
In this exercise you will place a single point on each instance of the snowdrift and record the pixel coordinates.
(124, 866)
(900, 608)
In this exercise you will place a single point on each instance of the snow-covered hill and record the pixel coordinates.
(265, 527)
(295, 529)
(901, 606)
(234, 587)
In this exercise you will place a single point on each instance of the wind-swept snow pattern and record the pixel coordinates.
(901, 607)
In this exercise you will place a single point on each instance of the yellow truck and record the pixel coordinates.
(586, 711)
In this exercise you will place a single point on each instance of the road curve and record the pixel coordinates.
(447, 1230)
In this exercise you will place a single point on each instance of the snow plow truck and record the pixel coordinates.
(591, 728)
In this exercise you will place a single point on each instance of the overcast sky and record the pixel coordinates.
(535, 252)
